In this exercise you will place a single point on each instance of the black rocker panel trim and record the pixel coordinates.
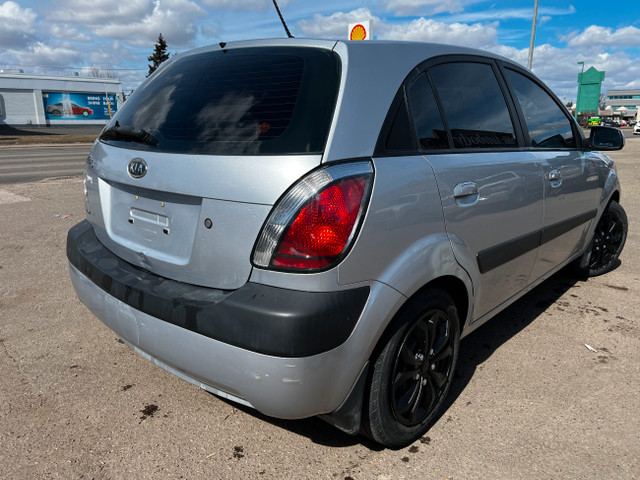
(498, 255)
(260, 318)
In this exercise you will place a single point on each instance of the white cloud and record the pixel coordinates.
(430, 7)
(68, 32)
(599, 36)
(559, 69)
(261, 5)
(175, 19)
(210, 31)
(335, 25)
(428, 30)
(17, 25)
(92, 12)
(421, 29)
(510, 13)
(46, 56)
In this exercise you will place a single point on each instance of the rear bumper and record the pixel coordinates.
(260, 318)
(180, 336)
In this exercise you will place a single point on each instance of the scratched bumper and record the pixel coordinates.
(276, 386)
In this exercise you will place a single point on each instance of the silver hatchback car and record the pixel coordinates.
(309, 227)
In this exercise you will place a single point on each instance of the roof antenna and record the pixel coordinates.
(286, 29)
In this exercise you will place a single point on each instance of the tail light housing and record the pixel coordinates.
(313, 225)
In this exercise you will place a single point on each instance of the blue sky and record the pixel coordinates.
(115, 37)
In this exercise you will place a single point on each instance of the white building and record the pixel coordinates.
(42, 100)
(623, 103)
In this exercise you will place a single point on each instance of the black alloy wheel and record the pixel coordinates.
(422, 368)
(413, 369)
(608, 240)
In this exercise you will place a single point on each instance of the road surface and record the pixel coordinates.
(21, 164)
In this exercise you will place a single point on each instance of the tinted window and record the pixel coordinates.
(426, 115)
(400, 135)
(548, 126)
(474, 107)
(240, 101)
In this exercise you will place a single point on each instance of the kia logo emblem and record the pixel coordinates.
(137, 168)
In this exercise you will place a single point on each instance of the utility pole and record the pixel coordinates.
(579, 90)
(533, 35)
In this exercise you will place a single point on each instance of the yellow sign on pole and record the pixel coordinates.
(361, 30)
(106, 97)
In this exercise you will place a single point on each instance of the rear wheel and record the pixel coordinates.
(608, 240)
(413, 372)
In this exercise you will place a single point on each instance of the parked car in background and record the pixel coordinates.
(611, 123)
(58, 109)
(308, 227)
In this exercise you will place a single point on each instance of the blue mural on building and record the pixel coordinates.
(78, 106)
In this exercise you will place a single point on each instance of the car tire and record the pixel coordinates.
(413, 370)
(85, 114)
(56, 113)
(607, 243)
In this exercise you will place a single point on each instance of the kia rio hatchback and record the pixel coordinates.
(309, 227)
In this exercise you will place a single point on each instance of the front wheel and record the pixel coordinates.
(414, 370)
(608, 240)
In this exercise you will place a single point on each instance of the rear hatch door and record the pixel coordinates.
(183, 177)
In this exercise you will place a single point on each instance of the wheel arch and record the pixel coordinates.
(615, 196)
(451, 285)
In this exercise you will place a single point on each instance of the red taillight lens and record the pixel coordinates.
(313, 224)
(322, 229)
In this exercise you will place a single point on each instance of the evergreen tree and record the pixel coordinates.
(159, 54)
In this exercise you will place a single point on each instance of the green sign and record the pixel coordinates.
(589, 85)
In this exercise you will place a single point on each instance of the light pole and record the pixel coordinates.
(579, 89)
(533, 35)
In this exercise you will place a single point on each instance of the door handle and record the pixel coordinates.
(555, 177)
(465, 189)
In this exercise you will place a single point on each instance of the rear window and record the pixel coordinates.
(252, 101)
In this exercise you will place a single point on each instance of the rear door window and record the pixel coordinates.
(474, 106)
(234, 102)
(426, 115)
(547, 124)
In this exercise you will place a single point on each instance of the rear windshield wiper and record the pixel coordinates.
(129, 134)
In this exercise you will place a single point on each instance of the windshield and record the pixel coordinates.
(251, 101)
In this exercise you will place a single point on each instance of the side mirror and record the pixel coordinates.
(606, 138)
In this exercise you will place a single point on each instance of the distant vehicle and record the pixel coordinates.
(611, 123)
(636, 129)
(595, 121)
(57, 109)
(623, 123)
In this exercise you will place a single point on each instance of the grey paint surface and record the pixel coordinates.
(530, 399)
(279, 387)
(508, 205)
(418, 228)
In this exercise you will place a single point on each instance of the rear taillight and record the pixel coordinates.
(313, 225)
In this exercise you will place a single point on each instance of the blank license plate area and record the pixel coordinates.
(160, 225)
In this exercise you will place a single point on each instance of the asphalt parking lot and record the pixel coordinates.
(530, 399)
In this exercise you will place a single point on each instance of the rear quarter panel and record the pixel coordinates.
(403, 242)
